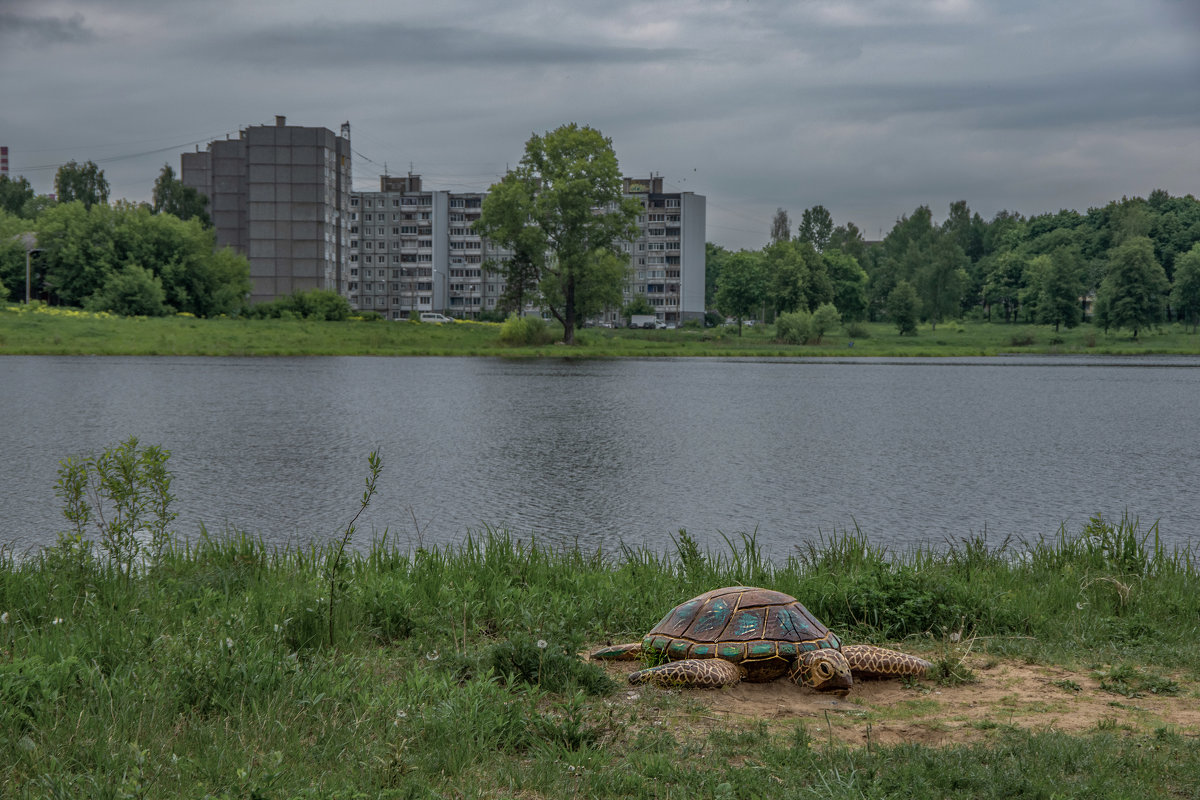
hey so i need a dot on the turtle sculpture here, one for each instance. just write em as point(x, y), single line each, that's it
point(745, 633)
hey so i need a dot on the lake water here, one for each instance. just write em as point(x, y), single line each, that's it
point(605, 452)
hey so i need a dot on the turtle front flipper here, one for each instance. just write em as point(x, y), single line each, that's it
point(618, 652)
point(691, 673)
point(868, 661)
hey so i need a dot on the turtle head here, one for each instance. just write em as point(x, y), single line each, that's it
point(825, 670)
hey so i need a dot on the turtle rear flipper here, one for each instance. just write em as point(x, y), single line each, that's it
point(691, 673)
point(868, 661)
point(618, 652)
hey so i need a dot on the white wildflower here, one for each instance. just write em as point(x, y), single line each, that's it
point(954, 637)
point(228, 643)
point(1079, 606)
point(542, 644)
point(278, 628)
point(432, 656)
point(56, 621)
point(4, 618)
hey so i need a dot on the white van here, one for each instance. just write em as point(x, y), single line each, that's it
point(431, 316)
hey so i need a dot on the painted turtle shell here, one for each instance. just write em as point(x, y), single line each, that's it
point(762, 630)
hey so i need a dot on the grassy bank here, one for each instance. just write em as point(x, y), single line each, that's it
point(67, 332)
point(219, 670)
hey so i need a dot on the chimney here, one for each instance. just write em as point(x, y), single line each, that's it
point(280, 120)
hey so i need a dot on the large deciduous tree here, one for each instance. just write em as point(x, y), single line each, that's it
point(742, 287)
point(816, 227)
point(563, 207)
point(942, 279)
point(83, 182)
point(1057, 279)
point(14, 194)
point(1133, 292)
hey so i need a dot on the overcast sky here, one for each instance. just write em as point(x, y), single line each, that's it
point(868, 107)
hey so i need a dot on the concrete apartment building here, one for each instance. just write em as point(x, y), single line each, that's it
point(414, 250)
point(667, 259)
point(280, 195)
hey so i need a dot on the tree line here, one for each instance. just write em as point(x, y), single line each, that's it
point(146, 259)
point(1133, 264)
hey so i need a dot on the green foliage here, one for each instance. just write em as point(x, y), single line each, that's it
point(857, 330)
point(563, 209)
point(314, 304)
point(172, 197)
point(522, 660)
point(1185, 290)
point(638, 305)
point(902, 308)
point(83, 248)
point(816, 227)
point(1058, 282)
point(794, 327)
point(742, 287)
point(941, 280)
point(81, 182)
point(520, 331)
point(849, 282)
point(1130, 681)
point(15, 193)
point(1135, 287)
point(131, 292)
point(125, 492)
point(825, 319)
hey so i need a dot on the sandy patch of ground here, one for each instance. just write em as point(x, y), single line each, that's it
point(1004, 693)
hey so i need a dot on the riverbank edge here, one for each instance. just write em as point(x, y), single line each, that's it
point(53, 331)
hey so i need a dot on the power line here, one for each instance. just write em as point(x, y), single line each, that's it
point(126, 157)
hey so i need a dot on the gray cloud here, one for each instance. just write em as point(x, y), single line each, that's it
point(870, 107)
point(316, 46)
point(27, 30)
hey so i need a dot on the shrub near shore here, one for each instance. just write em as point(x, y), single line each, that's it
point(453, 670)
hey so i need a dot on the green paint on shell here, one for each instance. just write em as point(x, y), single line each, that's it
point(759, 649)
point(678, 649)
point(746, 623)
point(788, 649)
point(703, 650)
point(733, 652)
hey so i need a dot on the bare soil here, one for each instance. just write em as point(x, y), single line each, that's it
point(888, 712)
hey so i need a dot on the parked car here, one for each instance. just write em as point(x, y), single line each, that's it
point(438, 319)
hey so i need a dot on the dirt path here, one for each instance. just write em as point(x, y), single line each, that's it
point(1005, 693)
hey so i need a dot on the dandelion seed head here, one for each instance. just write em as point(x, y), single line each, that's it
point(228, 643)
point(432, 656)
point(56, 621)
point(542, 644)
point(954, 637)
point(4, 618)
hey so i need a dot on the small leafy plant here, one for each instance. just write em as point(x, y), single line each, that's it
point(126, 493)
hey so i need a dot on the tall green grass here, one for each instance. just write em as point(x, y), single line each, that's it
point(455, 671)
